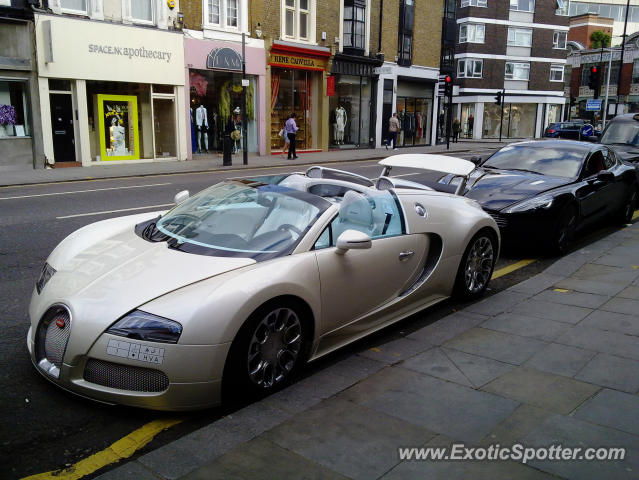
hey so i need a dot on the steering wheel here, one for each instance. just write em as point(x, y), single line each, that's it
point(287, 226)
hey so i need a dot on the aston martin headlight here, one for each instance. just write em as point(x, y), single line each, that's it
point(45, 275)
point(145, 326)
point(544, 202)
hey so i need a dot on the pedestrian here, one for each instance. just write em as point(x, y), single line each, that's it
point(471, 124)
point(291, 130)
point(456, 129)
point(393, 128)
point(287, 142)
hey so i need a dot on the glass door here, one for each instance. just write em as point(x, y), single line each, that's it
point(164, 127)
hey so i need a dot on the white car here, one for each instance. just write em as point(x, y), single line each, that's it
point(232, 290)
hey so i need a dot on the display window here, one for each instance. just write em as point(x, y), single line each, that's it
point(350, 111)
point(118, 129)
point(519, 120)
point(294, 91)
point(414, 116)
point(13, 109)
point(467, 119)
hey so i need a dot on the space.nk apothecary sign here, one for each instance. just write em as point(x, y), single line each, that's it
point(82, 49)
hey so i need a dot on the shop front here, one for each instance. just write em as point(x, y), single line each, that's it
point(298, 85)
point(351, 102)
point(109, 93)
point(216, 105)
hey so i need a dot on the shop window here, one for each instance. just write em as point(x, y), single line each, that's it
point(517, 71)
point(118, 127)
point(221, 13)
point(297, 19)
point(142, 11)
point(405, 43)
point(472, 33)
point(562, 7)
point(635, 71)
point(519, 37)
point(559, 40)
point(519, 120)
point(556, 73)
point(74, 6)
point(13, 109)
point(522, 5)
point(355, 24)
point(470, 68)
point(473, 3)
point(350, 112)
point(294, 91)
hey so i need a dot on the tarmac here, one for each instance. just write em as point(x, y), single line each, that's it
point(213, 163)
point(552, 360)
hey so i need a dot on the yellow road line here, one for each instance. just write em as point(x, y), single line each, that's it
point(123, 448)
point(512, 267)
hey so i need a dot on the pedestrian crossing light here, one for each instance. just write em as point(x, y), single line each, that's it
point(448, 86)
point(498, 98)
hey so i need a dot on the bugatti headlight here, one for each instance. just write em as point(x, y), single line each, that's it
point(544, 203)
point(45, 275)
point(140, 325)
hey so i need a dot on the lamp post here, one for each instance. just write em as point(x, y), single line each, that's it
point(623, 46)
point(244, 119)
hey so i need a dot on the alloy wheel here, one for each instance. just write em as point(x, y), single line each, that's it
point(566, 229)
point(479, 265)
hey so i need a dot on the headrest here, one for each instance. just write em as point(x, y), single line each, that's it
point(356, 209)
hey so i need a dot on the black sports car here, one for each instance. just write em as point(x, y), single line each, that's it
point(545, 191)
point(622, 135)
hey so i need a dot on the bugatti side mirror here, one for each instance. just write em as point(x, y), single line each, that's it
point(181, 196)
point(352, 239)
point(476, 160)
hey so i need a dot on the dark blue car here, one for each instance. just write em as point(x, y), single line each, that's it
point(564, 130)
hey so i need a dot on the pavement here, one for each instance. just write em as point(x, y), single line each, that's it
point(213, 162)
point(552, 360)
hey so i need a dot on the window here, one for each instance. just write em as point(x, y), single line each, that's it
point(517, 71)
point(221, 13)
point(519, 37)
point(142, 11)
point(556, 73)
point(562, 7)
point(74, 6)
point(355, 24)
point(522, 5)
point(296, 19)
point(472, 33)
point(559, 40)
point(470, 68)
point(405, 41)
point(473, 3)
point(13, 109)
point(635, 71)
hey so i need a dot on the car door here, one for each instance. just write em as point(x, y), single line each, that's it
point(357, 283)
point(593, 193)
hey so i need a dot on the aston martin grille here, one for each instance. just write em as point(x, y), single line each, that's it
point(51, 339)
point(500, 219)
point(125, 377)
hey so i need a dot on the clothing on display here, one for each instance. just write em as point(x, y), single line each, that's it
point(202, 124)
point(340, 124)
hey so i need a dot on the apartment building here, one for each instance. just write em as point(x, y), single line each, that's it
point(611, 9)
point(520, 47)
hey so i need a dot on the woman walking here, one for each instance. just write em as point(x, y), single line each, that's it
point(456, 129)
point(291, 130)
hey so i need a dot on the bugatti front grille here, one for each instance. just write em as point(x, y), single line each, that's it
point(500, 219)
point(51, 339)
point(125, 377)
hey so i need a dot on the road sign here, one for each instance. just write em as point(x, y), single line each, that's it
point(593, 105)
point(587, 131)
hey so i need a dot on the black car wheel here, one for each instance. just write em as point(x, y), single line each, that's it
point(267, 352)
point(628, 209)
point(477, 265)
point(564, 230)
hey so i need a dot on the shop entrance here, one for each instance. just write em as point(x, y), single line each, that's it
point(62, 127)
point(414, 119)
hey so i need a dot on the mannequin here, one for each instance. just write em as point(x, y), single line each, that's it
point(202, 124)
point(117, 138)
point(340, 123)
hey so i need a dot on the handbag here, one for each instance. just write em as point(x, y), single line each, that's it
point(281, 134)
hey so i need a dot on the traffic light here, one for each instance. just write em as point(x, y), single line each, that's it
point(498, 98)
point(593, 82)
point(448, 86)
point(573, 101)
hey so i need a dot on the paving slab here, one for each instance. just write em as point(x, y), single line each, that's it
point(611, 371)
point(443, 407)
point(613, 409)
point(448, 327)
point(348, 438)
point(551, 311)
point(523, 420)
point(560, 359)
point(601, 341)
point(622, 305)
point(604, 273)
point(536, 284)
point(436, 363)
point(526, 326)
point(396, 351)
point(129, 470)
point(496, 304)
point(479, 370)
point(590, 286)
point(617, 322)
point(631, 292)
point(260, 459)
point(579, 299)
point(611, 260)
point(566, 266)
point(500, 346)
point(545, 390)
point(572, 432)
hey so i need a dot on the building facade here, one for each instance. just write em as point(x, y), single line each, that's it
point(611, 9)
point(520, 47)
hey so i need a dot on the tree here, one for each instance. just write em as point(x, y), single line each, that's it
point(600, 39)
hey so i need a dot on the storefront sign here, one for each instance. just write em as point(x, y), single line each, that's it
point(130, 52)
point(225, 59)
point(330, 86)
point(383, 70)
point(295, 61)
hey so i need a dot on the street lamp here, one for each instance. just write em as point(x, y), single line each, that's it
point(623, 46)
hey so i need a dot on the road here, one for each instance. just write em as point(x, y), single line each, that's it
point(45, 428)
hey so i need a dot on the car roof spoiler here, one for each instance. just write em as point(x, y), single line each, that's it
point(457, 167)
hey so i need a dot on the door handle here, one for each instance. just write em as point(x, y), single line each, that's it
point(406, 255)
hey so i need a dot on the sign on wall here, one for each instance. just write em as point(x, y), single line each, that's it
point(296, 61)
point(224, 59)
point(330, 86)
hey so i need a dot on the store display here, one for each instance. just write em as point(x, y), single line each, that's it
point(340, 124)
point(118, 127)
point(202, 124)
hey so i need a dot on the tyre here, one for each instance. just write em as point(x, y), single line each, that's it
point(564, 230)
point(267, 352)
point(476, 266)
point(625, 213)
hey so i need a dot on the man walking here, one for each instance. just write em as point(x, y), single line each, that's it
point(291, 129)
point(393, 128)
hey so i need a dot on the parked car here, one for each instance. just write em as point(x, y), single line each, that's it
point(622, 135)
point(548, 190)
point(568, 130)
point(233, 289)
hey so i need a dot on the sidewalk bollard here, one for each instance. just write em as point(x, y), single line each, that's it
point(227, 160)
